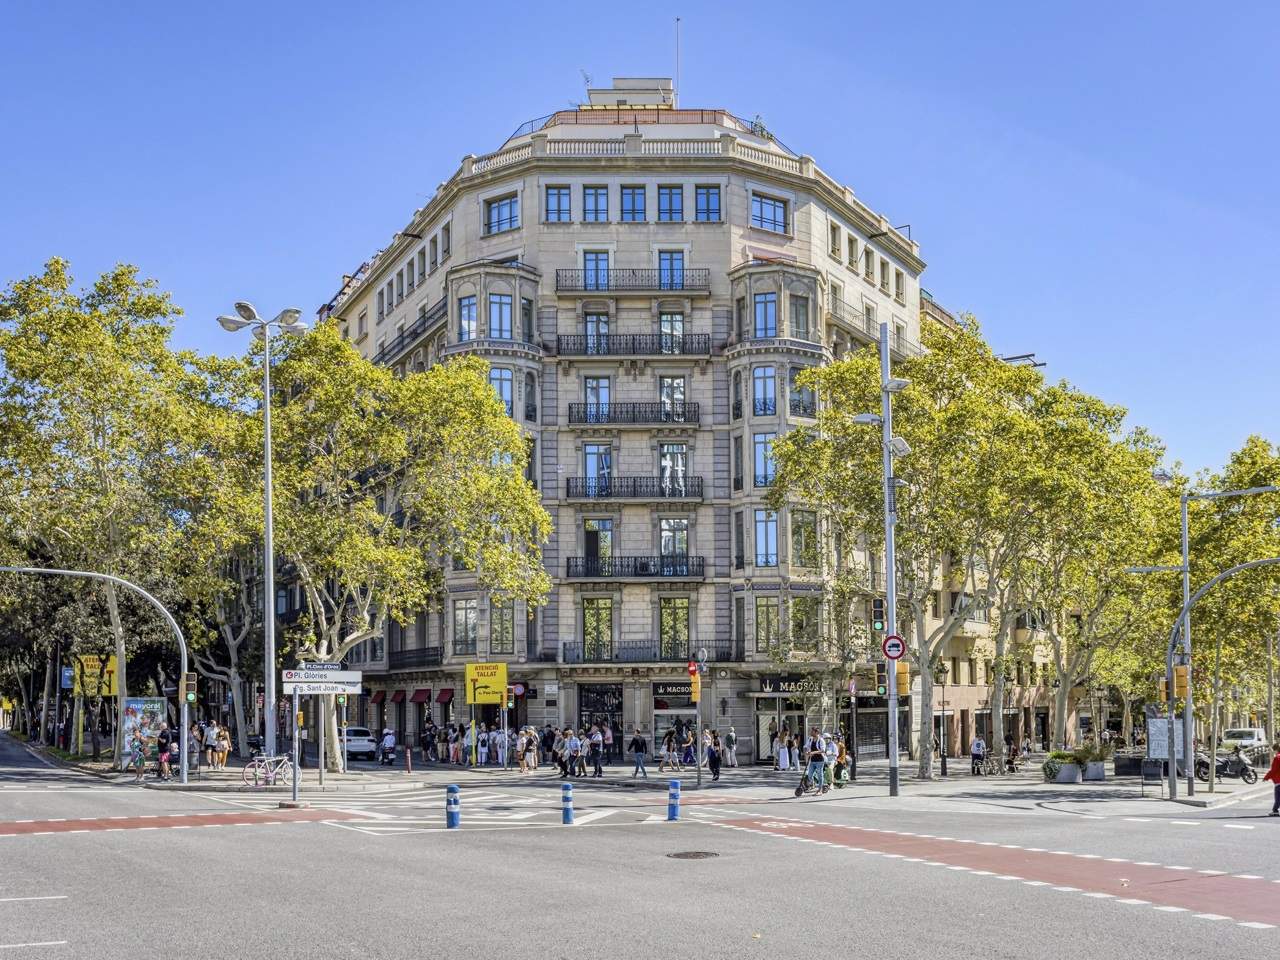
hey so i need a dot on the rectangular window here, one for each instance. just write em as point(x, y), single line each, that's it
point(595, 204)
point(595, 269)
point(464, 627)
point(409, 276)
point(804, 403)
point(673, 541)
point(673, 628)
point(740, 316)
point(671, 269)
point(884, 275)
point(764, 391)
point(899, 286)
point(526, 319)
point(596, 394)
point(766, 623)
point(502, 628)
point(853, 252)
point(633, 204)
point(738, 540)
point(739, 624)
point(766, 538)
point(422, 264)
point(800, 317)
point(764, 468)
point(597, 539)
point(558, 209)
point(835, 240)
point(597, 629)
point(804, 538)
point(737, 463)
point(466, 318)
point(708, 204)
point(671, 391)
point(382, 305)
point(502, 213)
point(868, 263)
point(399, 286)
point(806, 622)
point(672, 466)
point(444, 242)
point(671, 203)
point(973, 672)
point(598, 466)
point(500, 379)
point(500, 316)
point(766, 318)
point(435, 259)
point(671, 329)
point(768, 213)
point(362, 323)
point(597, 329)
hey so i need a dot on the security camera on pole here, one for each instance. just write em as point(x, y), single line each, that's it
point(891, 447)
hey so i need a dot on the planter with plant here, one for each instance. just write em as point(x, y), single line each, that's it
point(1061, 767)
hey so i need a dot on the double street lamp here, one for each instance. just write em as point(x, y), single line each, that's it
point(286, 321)
point(890, 447)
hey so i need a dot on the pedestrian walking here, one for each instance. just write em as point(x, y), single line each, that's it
point(639, 747)
point(596, 750)
point(138, 757)
point(224, 746)
point(482, 745)
point(549, 734)
point(607, 734)
point(713, 756)
point(977, 753)
point(163, 742)
point(1273, 775)
point(706, 746)
point(1026, 744)
point(687, 754)
point(731, 748)
point(573, 746)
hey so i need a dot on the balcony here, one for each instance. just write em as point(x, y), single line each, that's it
point(670, 650)
point(419, 326)
point(633, 344)
point(764, 406)
point(531, 412)
point(406, 659)
point(802, 406)
point(677, 565)
point(633, 488)
point(646, 412)
point(631, 280)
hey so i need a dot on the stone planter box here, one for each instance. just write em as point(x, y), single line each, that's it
point(1070, 773)
point(1095, 770)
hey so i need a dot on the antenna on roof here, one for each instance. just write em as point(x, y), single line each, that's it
point(586, 81)
point(675, 90)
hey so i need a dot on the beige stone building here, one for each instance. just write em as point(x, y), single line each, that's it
point(646, 281)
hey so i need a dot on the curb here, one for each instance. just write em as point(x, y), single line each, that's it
point(1210, 803)
point(196, 787)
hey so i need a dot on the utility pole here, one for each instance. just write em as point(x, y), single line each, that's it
point(890, 569)
point(1271, 688)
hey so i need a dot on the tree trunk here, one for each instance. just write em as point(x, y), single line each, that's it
point(95, 740)
point(329, 717)
point(1214, 711)
point(117, 631)
point(1060, 699)
point(1126, 721)
point(925, 752)
point(237, 707)
point(46, 699)
point(997, 695)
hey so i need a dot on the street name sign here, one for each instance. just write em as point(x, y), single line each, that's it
point(305, 687)
point(322, 676)
point(894, 647)
point(319, 666)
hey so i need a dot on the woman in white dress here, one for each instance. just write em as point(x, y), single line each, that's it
point(784, 754)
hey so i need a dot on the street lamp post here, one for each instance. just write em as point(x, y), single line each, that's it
point(287, 322)
point(942, 672)
point(890, 447)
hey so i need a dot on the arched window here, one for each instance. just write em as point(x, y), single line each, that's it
point(737, 394)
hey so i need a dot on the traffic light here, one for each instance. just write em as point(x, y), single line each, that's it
point(877, 615)
point(511, 697)
point(341, 699)
point(693, 668)
point(1163, 689)
point(695, 688)
point(189, 687)
point(903, 676)
point(300, 719)
point(1180, 681)
point(882, 679)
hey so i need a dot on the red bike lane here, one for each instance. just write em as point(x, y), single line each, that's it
point(14, 828)
point(1212, 894)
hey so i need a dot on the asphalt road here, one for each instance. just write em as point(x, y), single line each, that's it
point(143, 873)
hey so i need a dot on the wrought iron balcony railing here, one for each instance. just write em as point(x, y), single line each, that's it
point(639, 488)
point(632, 344)
point(663, 650)
point(629, 278)
point(677, 565)
point(648, 411)
point(764, 479)
point(803, 406)
point(764, 406)
point(426, 657)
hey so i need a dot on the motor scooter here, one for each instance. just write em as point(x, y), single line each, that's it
point(1234, 764)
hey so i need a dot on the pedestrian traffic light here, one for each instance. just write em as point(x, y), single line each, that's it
point(511, 697)
point(693, 668)
point(341, 699)
point(877, 614)
point(189, 687)
point(1180, 681)
point(300, 719)
point(903, 676)
point(882, 680)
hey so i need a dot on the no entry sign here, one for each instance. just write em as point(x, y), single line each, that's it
point(894, 647)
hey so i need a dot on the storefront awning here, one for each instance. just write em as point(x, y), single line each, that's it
point(378, 696)
point(398, 697)
point(421, 695)
point(445, 695)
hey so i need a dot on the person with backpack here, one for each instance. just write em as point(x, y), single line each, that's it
point(731, 748)
point(639, 746)
point(815, 753)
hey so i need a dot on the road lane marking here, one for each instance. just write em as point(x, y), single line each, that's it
point(25, 899)
point(39, 943)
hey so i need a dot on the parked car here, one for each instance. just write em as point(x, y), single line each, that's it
point(1245, 736)
point(361, 743)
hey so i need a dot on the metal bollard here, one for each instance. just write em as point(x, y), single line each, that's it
point(673, 800)
point(566, 804)
point(452, 807)
point(408, 758)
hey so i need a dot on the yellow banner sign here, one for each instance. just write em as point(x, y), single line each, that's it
point(6, 704)
point(486, 682)
point(94, 676)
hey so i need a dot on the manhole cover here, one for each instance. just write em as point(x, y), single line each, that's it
point(693, 855)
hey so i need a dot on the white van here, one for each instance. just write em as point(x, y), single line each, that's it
point(1245, 736)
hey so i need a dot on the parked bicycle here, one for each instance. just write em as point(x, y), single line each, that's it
point(268, 771)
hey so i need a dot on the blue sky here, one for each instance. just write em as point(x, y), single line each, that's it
point(1095, 181)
